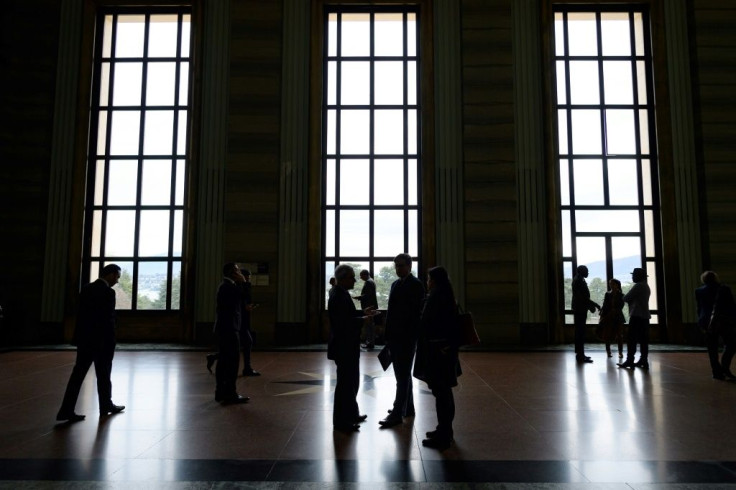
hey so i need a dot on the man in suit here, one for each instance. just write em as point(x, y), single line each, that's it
point(581, 305)
point(227, 327)
point(368, 300)
point(94, 336)
point(402, 329)
point(343, 347)
point(246, 336)
point(713, 295)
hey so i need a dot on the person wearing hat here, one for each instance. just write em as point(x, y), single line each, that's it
point(638, 300)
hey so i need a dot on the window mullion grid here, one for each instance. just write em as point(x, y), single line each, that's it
point(569, 159)
point(338, 136)
point(405, 116)
point(371, 135)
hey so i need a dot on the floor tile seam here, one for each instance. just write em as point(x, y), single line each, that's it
point(291, 436)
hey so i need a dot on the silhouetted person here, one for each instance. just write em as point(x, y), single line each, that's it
point(581, 305)
point(246, 334)
point(94, 336)
point(638, 300)
point(343, 347)
point(714, 296)
point(227, 328)
point(368, 300)
point(405, 303)
point(612, 318)
point(437, 354)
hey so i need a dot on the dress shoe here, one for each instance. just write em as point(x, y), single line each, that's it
point(211, 358)
point(112, 409)
point(719, 376)
point(360, 418)
point(250, 372)
point(390, 421)
point(728, 374)
point(439, 443)
point(235, 399)
point(642, 364)
point(368, 346)
point(627, 364)
point(346, 428)
point(583, 360)
point(432, 434)
point(69, 417)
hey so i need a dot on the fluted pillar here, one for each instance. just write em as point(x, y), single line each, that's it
point(213, 153)
point(450, 232)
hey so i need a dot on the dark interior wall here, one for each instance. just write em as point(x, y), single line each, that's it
point(28, 52)
point(715, 74)
point(252, 188)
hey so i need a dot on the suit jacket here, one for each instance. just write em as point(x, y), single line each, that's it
point(368, 294)
point(705, 297)
point(638, 300)
point(96, 315)
point(345, 326)
point(581, 296)
point(229, 307)
point(405, 302)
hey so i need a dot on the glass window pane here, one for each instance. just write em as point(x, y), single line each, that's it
point(105, 84)
point(355, 85)
point(626, 254)
point(355, 35)
point(329, 233)
point(154, 234)
point(127, 85)
point(119, 234)
point(331, 83)
point(411, 34)
point(384, 275)
point(125, 131)
point(331, 131)
point(330, 183)
point(566, 235)
point(411, 130)
point(607, 221)
point(161, 82)
point(620, 136)
point(389, 182)
point(186, 33)
point(646, 182)
point(411, 82)
point(559, 35)
point(354, 179)
point(641, 82)
point(639, 34)
point(124, 288)
point(564, 183)
point(588, 182)
point(615, 34)
point(567, 275)
point(652, 281)
point(623, 182)
point(130, 36)
point(591, 252)
point(122, 183)
point(584, 86)
point(561, 82)
point(582, 34)
point(94, 270)
point(181, 171)
point(106, 41)
point(159, 133)
point(332, 35)
point(649, 232)
point(102, 133)
point(586, 132)
point(329, 273)
point(96, 234)
point(354, 132)
point(178, 233)
point(413, 182)
point(389, 233)
point(414, 234)
point(354, 233)
point(184, 84)
point(176, 285)
point(644, 131)
point(389, 132)
point(181, 137)
point(155, 186)
point(617, 81)
point(562, 131)
point(389, 82)
point(389, 34)
point(162, 35)
point(99, 182)
point(152, 287)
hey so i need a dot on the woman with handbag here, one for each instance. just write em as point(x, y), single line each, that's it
point(611, 323)
point(437, 354)
point(716, 314)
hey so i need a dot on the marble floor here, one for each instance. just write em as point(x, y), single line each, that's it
point(524, 420)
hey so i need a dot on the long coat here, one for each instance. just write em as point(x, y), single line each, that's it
point(437, 360)
point(404, 309)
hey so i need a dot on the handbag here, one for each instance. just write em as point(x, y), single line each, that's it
point(467, 334)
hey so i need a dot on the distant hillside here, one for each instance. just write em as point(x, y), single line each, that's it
point(622, 268)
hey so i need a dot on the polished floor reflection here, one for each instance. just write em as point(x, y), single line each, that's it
point(522, 418)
